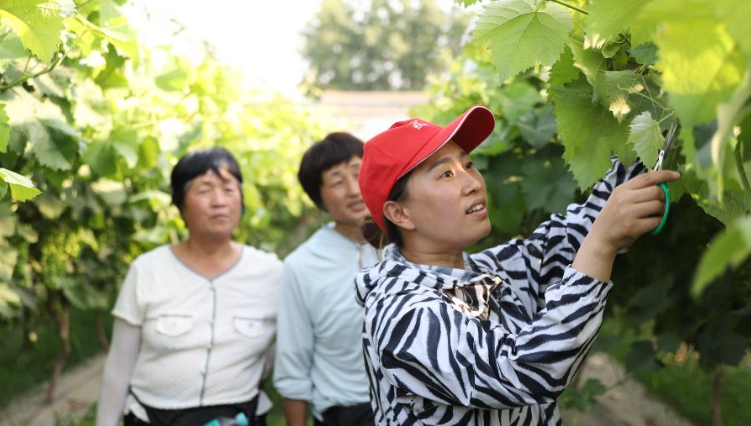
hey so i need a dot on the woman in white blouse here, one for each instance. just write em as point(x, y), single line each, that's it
point(194, 321)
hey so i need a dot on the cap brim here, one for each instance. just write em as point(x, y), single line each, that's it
point(469, 130)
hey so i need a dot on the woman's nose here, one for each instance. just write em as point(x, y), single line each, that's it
point(470, 182)
point(353, 187)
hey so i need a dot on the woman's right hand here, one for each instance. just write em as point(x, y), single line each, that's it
point(633, 209)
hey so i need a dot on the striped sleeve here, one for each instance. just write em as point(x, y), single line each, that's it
point(553, 245)
point(431, 350)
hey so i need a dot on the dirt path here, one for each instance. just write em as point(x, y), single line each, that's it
point(624, 405)
point(77, 390)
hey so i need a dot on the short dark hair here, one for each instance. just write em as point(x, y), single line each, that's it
point(197, 163)
point(375, 235)
point(334, 149)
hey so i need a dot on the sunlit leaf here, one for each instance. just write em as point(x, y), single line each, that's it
point(21, 188)
point(37, 22)
point(608, 18)
point(589, 132)
point(521, 35)
point(646, 137)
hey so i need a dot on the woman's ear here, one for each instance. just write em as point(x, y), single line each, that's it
point(398, 215)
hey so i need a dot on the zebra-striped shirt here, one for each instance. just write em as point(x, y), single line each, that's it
point(493, 344)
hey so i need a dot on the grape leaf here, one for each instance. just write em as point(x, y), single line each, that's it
point(650, 300)
point(11, 49)
point(101, 157)
point(8, 221)
point(589, 132)
point(126, 143)
point(662, 11)
point(645, 53)
point(538, 127)
point(736, 15)
point(53, 141)
point(563, 71)
point(37, 22)
point(4, 129)
point(700, 62)
point(646, 137)
point(520, 35)
point(50, 206)
point(642, 32)
point(21, 188)
point(641, 357)
point(517, 99)
point(720, 343)
point(734, 204)
point(608, 18)
point(547, 185)
point(727, 250)
point(591, 63)
point(175, 80)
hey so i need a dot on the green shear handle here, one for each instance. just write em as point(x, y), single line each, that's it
point(658, 166)
point(664, 220)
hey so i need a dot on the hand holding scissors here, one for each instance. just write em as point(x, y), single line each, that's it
point(658, 166)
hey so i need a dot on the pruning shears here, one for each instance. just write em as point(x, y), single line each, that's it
point(661, 156)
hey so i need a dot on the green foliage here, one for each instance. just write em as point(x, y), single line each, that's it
point(520, 34)
point(379, 44)
point(21, 188)
point(608, 18)
point(728, 249)
point(582, 399)
point(646, 65)
point(646, 136)
point(88, 141)
point(37, 23)
point(588, 147)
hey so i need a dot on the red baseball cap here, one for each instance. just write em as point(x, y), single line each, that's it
point(392, 154)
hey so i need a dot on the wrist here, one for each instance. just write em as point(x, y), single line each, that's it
point(600, 247)
point(595, 258)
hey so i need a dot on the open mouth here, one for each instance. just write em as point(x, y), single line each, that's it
point(479, 207)
point(357, 206)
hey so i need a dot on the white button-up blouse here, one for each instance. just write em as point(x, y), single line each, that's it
point(204, 342)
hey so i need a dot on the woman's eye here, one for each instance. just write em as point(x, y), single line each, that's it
point(470, 165)
point(447, 174)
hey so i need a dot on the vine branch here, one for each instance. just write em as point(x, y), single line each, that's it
point(27, 77)
point(570, 6)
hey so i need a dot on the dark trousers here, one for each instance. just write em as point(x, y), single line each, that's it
point(352, 415)
point(131, 420)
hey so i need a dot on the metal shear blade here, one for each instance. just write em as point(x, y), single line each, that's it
point(665, 147)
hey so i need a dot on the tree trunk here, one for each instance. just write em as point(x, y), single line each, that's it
point(100, 332)
point(61, 315)
point(719, 377)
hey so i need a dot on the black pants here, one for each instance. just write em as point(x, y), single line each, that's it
point(131, 420)
point(352, 415)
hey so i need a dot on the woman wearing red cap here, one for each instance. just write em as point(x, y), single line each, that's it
point(491, 338)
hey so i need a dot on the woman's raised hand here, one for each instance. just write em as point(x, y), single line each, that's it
point(633, 209)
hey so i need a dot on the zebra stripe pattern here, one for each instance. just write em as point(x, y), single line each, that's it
point(494, 344)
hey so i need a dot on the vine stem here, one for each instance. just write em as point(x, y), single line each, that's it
point(27, 77)
point(570, 6)
point(741, 169)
